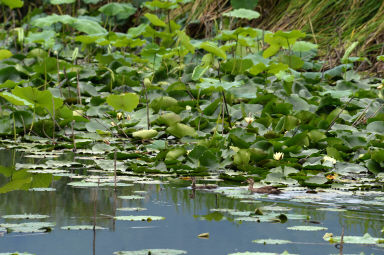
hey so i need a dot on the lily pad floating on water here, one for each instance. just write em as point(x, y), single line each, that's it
point(142, 192)
point(152, 252)
point(48, 171)
point(139, 218)
point(131, 209)
point(271, 241)
point(29, 227)
point(259, 218)
point(307, 228)
point(150, 182)
point(131, 197)
point(42, 189)
point(250, 201)
point(25, 216)
point(365, 239)
point(240, 213)
point(82, 227)
point(83, 184)
point(275, 208)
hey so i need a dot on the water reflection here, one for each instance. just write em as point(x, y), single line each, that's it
point(186, 217)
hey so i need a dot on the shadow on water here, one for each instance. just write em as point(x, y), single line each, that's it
point(186, 216)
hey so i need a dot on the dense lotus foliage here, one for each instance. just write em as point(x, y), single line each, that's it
point(152, 99)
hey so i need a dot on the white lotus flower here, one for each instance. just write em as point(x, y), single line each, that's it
point(330, 159)
point(188, 108)
point(249, 120)
point(278, 155)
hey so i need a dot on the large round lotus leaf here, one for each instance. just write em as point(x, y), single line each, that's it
point(122, 10)
point(303, 46)
point(169, 119)
point(145, 134)
point(376, 127)
point(163, 103)
point(125, 102)
point(175, 153)
point(211, 47)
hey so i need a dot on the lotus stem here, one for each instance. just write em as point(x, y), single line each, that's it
point(337, 116)
point(73, 136)
point(114, 168)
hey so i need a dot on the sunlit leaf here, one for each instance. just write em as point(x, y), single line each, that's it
point(125, 102)
point(5, 54)
point(13, 3)
point(155, 20)
point(211, 47)
point(243, 14)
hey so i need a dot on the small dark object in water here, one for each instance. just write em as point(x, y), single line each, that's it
point(264, 189)
point(311, 191)
point(204, 186)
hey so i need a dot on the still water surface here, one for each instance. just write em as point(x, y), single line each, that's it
point(186, 218)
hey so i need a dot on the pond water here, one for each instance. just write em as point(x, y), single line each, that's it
point(186, 216)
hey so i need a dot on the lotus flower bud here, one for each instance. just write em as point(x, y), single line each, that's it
point(147, 82)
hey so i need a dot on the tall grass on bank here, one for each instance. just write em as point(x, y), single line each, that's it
point(333, 24)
